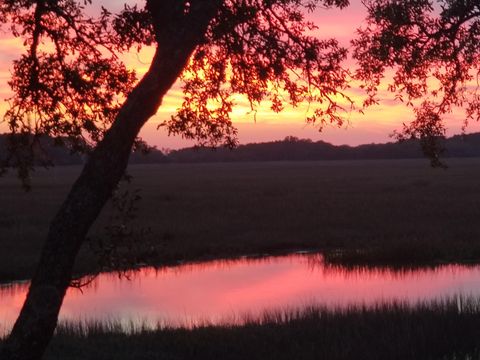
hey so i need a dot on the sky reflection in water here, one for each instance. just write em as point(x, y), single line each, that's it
point(219, 291)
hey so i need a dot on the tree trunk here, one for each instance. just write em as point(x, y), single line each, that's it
point(178, 33)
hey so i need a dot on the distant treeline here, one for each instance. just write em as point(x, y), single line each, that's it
point(294, 149)
point(289, 149)
point(44, 150)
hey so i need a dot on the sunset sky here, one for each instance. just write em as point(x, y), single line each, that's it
point(375, 125)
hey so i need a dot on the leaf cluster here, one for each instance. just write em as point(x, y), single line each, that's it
point(69, 83)
point(124, 244)
point(260, 51)
point(433, 50)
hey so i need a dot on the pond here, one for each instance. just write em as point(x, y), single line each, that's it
point(225, 291)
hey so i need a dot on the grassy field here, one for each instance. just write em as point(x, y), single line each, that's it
point(377, 212)
point(429, 331)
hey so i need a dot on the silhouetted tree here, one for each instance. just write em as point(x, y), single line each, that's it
point(71, 83)
point(432, 47)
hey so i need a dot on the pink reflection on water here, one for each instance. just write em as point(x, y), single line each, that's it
point(220, 290)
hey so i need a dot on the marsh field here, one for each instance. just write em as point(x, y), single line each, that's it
point(400, 213)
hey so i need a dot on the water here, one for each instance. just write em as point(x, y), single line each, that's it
point(224, 291)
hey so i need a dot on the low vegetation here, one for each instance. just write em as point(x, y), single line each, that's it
point(359, 212)
point(440, 330)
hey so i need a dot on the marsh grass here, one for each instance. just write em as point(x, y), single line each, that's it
point(384, 212)
point(446, 329)
point(411, 253)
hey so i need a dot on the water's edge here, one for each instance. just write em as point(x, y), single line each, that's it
point(227, 291)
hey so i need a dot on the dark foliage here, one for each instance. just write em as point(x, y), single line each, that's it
point(432, 47)
point(289, 149)
point(71, 83)
point(293, 149)
point(45, 151)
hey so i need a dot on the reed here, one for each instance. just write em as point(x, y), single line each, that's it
point(435, 330)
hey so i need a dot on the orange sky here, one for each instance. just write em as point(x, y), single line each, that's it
point(374, 126)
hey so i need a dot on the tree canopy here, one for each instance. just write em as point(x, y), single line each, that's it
point(70, 83)
point(432, 47)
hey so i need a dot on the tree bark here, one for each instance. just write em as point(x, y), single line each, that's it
point(178, 33)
